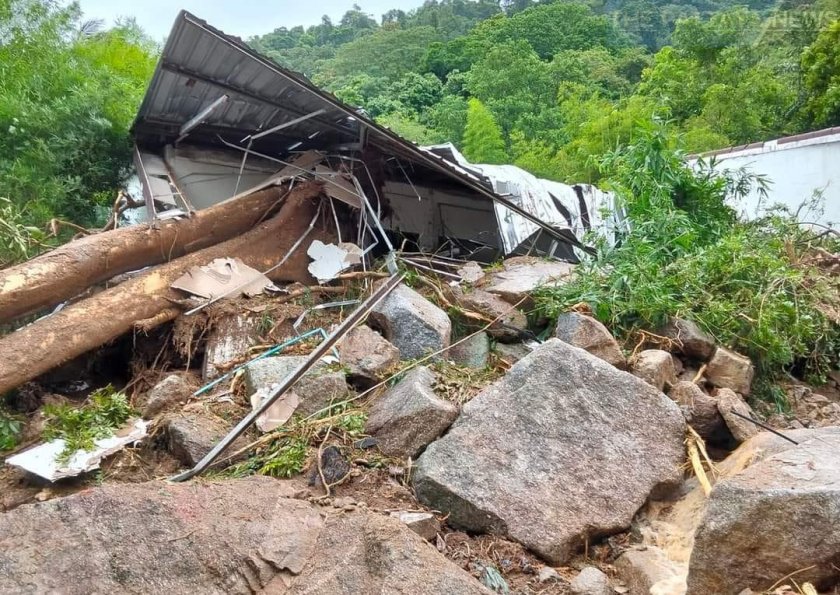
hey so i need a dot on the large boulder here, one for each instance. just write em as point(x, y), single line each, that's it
point(689, 338)
point(775, 518)
point(521, 275)
point(409, 415)
point(367, 355)
point(512, 322)
point(319, 387)
point(728, 369)
point(656, 367)
point(729, 403)
point(589, 334)
point(411, 322)
point(561, 450)
point(237, 536)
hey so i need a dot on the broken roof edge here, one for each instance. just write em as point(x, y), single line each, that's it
point(389, 139)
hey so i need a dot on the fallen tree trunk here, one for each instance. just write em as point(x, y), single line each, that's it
point(92, 322)
point(68, 270)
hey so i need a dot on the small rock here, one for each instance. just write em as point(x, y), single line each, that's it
point(547, 573)
point(472, 353)
point(678, 365)
point(173, 390)
point(589, 334)
point(655, 367)
point(691, 340)
point(775, 518)
point(412, 323)
point(229, 338)
point(425, 524)
point(728, 369)
point(510, 353)
point(365, 443)
point(190, 436)
point(316, 390)
point(333, 465)
point(512, 323)
point(700, 411)
point(591, 581)
point(643, 568)
point(367, 355)
point(409, 415)
point(471, 272)
point(521, 275)
point(727, 402)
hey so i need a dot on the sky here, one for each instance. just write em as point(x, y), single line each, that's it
point(243, 18)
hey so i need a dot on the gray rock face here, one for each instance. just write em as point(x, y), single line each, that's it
point(171, 391)
point(527, 454)
point(236, 536)
point(368, 355)
point(472, 353)
point(228, 340)
point(512, 322)
point(411, 322)
point(190, 436)
point(700, 411)
point(521, 275)
point(590, 581)
point(728, 369)
point(316, 390)
point(655, 367)
point(409, 416)
point(645, 567)
point(776, 517)
point(589, 334)
point(511, 353)
point(727, 402)
point(691, 340)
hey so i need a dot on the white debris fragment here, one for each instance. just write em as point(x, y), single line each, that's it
point(278, 413)
point(42, 459)
point(328, 260)
point(223, 277)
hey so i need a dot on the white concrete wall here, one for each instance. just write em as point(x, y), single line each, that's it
point(796, 168)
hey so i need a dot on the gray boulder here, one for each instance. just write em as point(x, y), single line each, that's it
point(690, 339)
point(512, 322)
point(319, 387)
point(777, 517)
point(409, 416)
point(648, 569)
point(510, 353)
point(727, 402)
point(367, 355)
point(237, 536)
point(521, 275)
point(589, 334)
point(728, 369)
point(412, 323)
point(474, 352)
point(190, 436)
point(590, 581)
point(173, 390)
point(656, 367)
point(529, 454)
point(700, 411)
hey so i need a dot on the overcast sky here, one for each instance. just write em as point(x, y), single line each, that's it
point(243, 18)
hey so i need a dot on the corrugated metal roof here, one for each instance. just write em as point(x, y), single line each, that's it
point(199, 64)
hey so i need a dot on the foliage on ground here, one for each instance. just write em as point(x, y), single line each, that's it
point(10, 428)
point(685, 254)
point(105, 411)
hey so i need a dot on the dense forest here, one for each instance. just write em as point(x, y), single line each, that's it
point(547, 86)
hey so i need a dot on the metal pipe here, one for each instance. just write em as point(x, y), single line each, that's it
point(286, 124)
point(200, 117)
point(349, 323)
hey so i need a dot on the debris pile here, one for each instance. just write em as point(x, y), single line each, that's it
point(357, 365)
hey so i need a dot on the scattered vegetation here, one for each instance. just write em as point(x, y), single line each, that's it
point(10, 427)
point(459, 384)
point(685, 254)
point(105, 411)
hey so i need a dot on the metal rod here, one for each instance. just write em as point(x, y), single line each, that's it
point(294, 247)
point(349, 323)
point(762, 425)
point(264, 354)
point(200, 117)
point(287, 124)
point(338, 304)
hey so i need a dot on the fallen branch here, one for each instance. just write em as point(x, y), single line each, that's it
point(89, 323)
point(67, 271)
